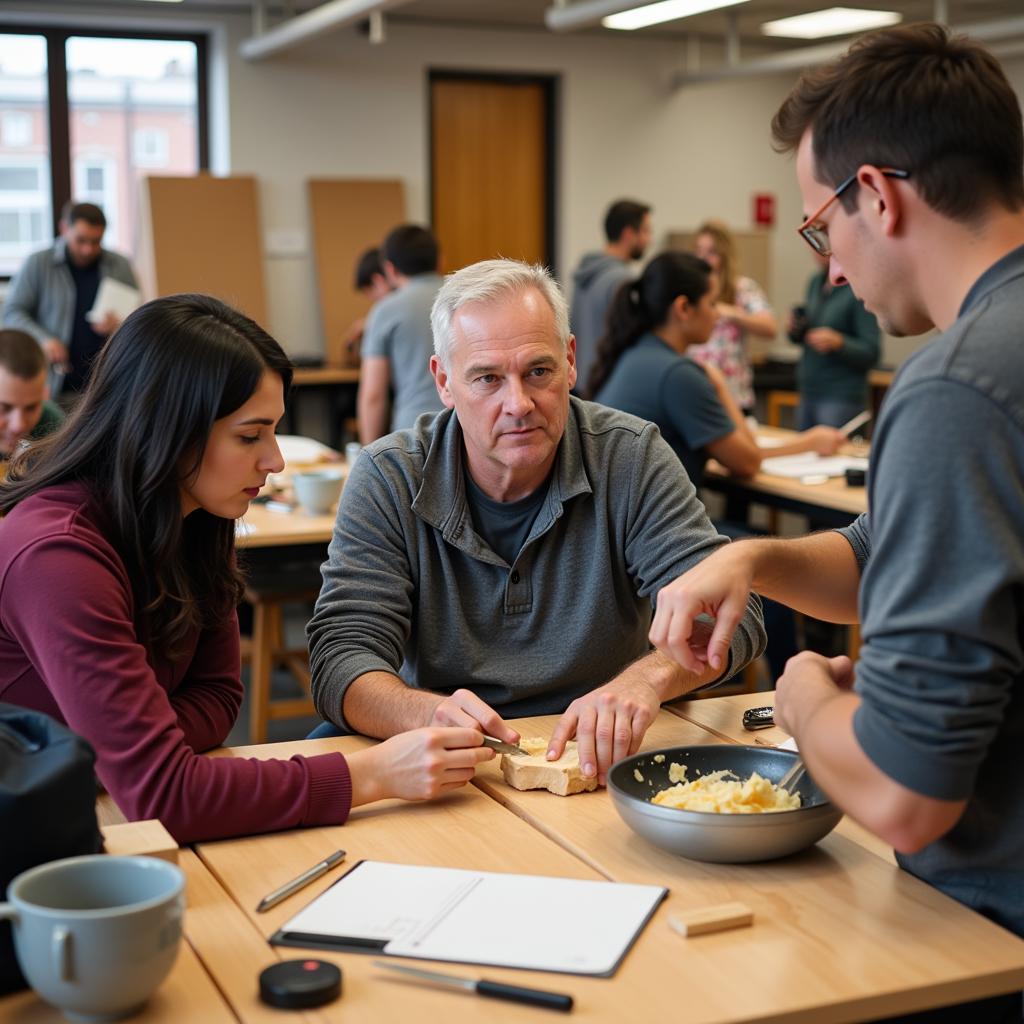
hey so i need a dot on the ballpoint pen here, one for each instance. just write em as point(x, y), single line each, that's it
point(272, 899)
point(483, 987)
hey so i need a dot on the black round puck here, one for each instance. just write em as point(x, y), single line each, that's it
point(300, 984)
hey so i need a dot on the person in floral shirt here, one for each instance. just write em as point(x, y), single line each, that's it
point(743, 309)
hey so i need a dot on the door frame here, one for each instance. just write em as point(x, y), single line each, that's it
point(550, 87)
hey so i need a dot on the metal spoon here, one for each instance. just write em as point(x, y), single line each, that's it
point(793, 777)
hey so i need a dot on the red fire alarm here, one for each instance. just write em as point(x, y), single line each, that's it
point(764, 209)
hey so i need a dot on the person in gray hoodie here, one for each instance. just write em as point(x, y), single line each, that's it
point(627, 226)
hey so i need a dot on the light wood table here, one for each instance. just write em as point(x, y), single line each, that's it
point(832, 503)
point(188, 994)
point(465, 830)
point(261, 528)
point(839, 934)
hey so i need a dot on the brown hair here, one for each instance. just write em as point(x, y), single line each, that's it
point(20, 354)
point(921, 100)
point(89, 212)
point(728, 268)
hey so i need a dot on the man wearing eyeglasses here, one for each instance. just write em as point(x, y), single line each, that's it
point(909, 155)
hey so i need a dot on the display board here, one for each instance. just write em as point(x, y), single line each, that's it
point(347, 216)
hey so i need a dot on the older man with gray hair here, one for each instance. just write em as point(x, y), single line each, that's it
point(498, 559)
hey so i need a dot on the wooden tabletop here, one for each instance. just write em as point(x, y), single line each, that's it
point(312, 375)
point(840, 934)
point(262, 528)
point(833, 496)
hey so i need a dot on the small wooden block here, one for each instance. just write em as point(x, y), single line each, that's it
point(718, 918)
point(562, 777)
point(140, 839)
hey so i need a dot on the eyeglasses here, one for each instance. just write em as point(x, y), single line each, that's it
point(817, 237)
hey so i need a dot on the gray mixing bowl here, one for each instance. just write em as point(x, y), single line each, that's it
point(722, 838)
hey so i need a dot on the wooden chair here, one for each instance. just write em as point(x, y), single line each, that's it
point(777, 401)
point(265, 650)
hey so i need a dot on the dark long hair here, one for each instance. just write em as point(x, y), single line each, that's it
point(173, 367)
point(641, 305)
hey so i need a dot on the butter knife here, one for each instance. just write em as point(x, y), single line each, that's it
point(502, 747)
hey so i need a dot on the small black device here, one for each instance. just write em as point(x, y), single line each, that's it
point(300, 984)
point(798, 331)
point(856, 478)
point(758, 718)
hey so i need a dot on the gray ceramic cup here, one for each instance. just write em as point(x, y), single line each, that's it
point(318, 489)
point(96, 935)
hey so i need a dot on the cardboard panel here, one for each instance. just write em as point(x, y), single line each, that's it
point(202, 234)
point(347, 216)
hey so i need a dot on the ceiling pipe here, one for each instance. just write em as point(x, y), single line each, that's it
point(795, 60)
point(566, 17)
point(332, 15)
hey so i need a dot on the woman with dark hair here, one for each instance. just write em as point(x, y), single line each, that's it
point(118, 584)
point(642, 368)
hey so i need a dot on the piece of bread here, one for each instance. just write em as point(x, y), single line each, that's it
point(534, 771)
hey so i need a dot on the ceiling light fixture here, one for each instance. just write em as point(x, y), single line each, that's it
point(836, 21)
point(665, 10)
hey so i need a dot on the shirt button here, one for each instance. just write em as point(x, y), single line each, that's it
point(515, 575)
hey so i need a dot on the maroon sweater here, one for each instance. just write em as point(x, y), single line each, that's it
point(68, 647)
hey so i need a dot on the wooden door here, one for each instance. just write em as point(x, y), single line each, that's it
point(491, 168)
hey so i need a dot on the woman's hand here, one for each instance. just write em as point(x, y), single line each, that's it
point(417, 765)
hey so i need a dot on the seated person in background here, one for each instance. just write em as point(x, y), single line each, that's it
point(642, 368)
point(25, 414)
point(500, 557)
point(55, 288)
point(841, 343)
point(118, 584)
point(371, 281)
point(396, 341)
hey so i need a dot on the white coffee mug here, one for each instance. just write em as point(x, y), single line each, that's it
point(317, 490)
point(95, 936)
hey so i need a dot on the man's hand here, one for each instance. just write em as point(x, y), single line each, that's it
point(718, 586)
point(417, 765)
point(466, 710)
point(609, 724)
point(56, 352)
point(824, 339)
point(106, 325)
point(809, 681)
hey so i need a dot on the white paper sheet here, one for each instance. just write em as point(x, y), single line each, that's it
point(114, 297)
point(809, 464)
point(483, 917)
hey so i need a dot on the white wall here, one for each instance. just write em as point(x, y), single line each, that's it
point(341, 107)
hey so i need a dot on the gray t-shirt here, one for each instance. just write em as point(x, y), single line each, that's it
point(398, 328)
point(941, 672)
point(653, 381)
point(595, 282)
point(411, 588)
point(504, 525)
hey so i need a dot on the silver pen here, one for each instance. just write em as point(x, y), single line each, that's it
point(272, 899)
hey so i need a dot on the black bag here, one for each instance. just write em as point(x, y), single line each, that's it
point(47, 806)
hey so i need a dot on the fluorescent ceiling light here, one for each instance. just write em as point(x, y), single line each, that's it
point(666, 10)
point(836, 21)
